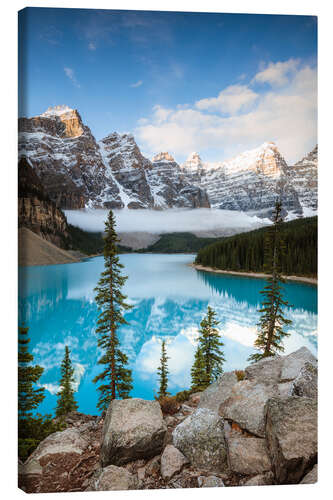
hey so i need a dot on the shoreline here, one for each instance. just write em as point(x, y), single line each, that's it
point(300, 279)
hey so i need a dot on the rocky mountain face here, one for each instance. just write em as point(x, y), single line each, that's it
point(304, 176)
point(257, 429)
point(171, 188)
point(251, 181)
point(76, 171)
point(35, 209)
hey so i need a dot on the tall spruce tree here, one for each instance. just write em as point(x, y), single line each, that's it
point(29, 398)
point(163, 372)
point(209, 357)
point(66, 402)
point(32, 428)
point(272, 321)
point(198, 372)
point(116, 378)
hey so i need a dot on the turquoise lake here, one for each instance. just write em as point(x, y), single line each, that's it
point(169, 299)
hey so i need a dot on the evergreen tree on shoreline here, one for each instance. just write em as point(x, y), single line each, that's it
point(272, 320)
point(66, 402)
point(116, 378)
point(209, 356)
point(28, 397)
point(198, 372)
point(32, 428)
point(163, 372)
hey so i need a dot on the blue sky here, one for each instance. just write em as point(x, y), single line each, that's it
point(215, 83)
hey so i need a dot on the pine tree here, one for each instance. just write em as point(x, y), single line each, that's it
point(272, 320)
point(28, 397)
point(209, 356)
point(163, 372)
point(116, 377)
point(66, 402)
point(32, 428)
point(198, 372)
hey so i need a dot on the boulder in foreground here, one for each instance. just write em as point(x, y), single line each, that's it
point(248, 455)
point(201, 439)
point(113, 478)
point(218, 392)
point(172, 461)
point(133, 429)
point(291, 433)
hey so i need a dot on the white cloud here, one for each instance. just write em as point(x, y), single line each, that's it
point(136, 84)
point(69, 72)
point(52, 388)
point(230, 100)
point(171, 220)
point(277, 73)
point(285, 113)
point(92, 46)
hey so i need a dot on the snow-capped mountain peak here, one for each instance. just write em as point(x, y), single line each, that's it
point(59, 110)
point(193, 162)
point(163, 157)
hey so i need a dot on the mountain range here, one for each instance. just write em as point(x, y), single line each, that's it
point(78, 171)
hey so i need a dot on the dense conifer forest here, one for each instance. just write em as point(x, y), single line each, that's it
point(245, 251)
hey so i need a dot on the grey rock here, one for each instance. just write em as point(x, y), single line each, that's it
point(172, 461)
point(218, 392)
point(294, 362)
point(291, 433)
point(201, 439)
point(67, 442)
point(306, 384)
point(311, 477)
point(133, 429)
point(265, 371)
point(248, 455)
point(113, 478)
point(153, 466)
point(210, 482)
point(141, 473)
point(285, 389)
point(246, 404)
point(266, 479)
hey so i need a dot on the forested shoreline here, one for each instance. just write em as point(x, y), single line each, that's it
point(245, 251)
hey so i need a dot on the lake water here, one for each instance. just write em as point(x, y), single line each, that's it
point(169, 299)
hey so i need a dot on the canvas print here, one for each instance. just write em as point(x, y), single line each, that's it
point(167, 219)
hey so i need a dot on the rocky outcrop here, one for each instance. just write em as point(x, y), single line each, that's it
point(35, 209)
point(113, 478)
point(291, 433)
point(218, 392)
point(266, 479)
point(63, 461)
point(133, 429)
point(172, 461)
point(263, 380)
point(200, 437)
point(306, 383)
point(139, 447)
point(247, 455)
point(65, 156)
point(311, 477)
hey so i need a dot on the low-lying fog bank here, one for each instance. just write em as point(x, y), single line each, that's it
point(140, 227)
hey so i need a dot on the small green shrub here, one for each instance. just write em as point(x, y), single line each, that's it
point(184, 395)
